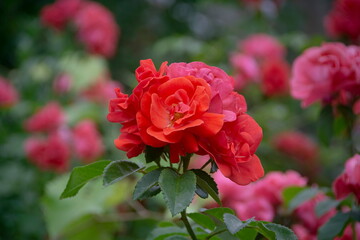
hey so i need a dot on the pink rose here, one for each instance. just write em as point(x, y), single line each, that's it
point(246, 69)
point(62, 83)
point(47, 118)
point(97, 29)
point(275, 77)
point(262, 47)
point(48, 154)
point(349, 181)
point(87, 141)
point(102, 91)
point(321, 72)
point(259, 208)
point(303, 233)
point(8, 94)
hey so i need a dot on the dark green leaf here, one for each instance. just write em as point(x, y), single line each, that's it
point(81, 175)
point(118, 170)
point(334, 226)
point(263, 230)
point(219, 212)
point(247, 234)
point(147, 184)
point(302, 197)
point(176, 237)
point(214, 167)
point(234, 224)
point(153, 154)
point(207, 184)
point(281, 232)
point(325, 125)
point(203, 220)
point(325, 206)
point(200, 192)
point(178, 190)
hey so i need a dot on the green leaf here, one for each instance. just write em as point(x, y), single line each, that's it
point(219, 212)
point(201, 193)
point(289, 193)
point(118, 170)
point(214, 167)
point(81, 175)
point(302, 197)
point(153, 154)
point(263, 230)
point(176, 237)
point(178, 190)
point(163, 232)
point(234, 224)
point(147, 185)
point(334, 226)
point(325, 206)
point(202, 220)
point(281, 232)
point(247, 234)
point(207, 184)
point(325, 125)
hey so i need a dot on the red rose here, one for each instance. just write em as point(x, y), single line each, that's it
point(48, 118)
point(233, 150)
point(48, 154)
point(275, 77)
point(8, 94)
point(97, 29)
point(87, 141)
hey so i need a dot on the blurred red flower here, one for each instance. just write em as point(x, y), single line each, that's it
point(47, 118)
point(8, 94)
point(275, 77)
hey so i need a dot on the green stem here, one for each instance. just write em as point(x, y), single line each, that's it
point(214, 233)
point(185, 160)
point(187, 225)
point(207, 163)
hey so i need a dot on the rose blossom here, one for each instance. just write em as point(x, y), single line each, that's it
point(102, 91)
point(349, 181)
point(320, 72)
point(296, 145)
point(344, 20)
point(48, 154)
point(262, 47)
point(97, 29)
point(87, 141)
point(47, 118)
point(8, 94)
point(275, 77)
point(56, 15)
point(246, 69)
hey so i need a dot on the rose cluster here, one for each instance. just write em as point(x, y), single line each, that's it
point(261, 59)
point(189, 108)
point(329, 73)
point(261, 199)
point(95, 25)
point(53, 141)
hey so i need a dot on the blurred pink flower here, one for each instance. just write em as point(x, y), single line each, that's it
point(297, 145)
point(57, 15)
point(348, 232)
point(246, 69)
point(344, 20)
point(51, 153)
point(262, 47)
point(321, 72)
point(47, 118)
point(349, 181)
point(87, 141)
point(8, 94)
point(97, 29)
point(102, 91)
point(275, 77)
point(62, 83)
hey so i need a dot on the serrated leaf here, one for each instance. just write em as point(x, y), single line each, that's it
point(178, 190)
point(201, 193)
point(263, 230)
point(81, 175)
point(325, 206)
point(302, 197)
point(118, 170)
point(207, 184)
point(163, 232)
point(281, 232)
point(334, 226)
point(147, 184)
point(202, 220)
point(234, 224)
point(219, 212)
point(325, 125)
point(153, 154)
